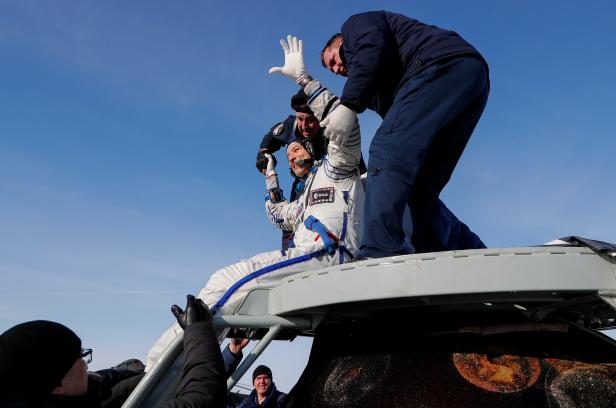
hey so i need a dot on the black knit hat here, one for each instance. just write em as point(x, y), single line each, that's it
point(262, 369)
point(35, 356)
point(299, 102)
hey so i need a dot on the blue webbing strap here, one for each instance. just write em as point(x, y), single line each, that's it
point(261, 272)
point(343, 249)
point(313, 224)
point(342, 235)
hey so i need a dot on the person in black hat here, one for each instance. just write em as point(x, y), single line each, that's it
point(42, 364)
point(43, 361)
point(303, 126)
point(265, 393)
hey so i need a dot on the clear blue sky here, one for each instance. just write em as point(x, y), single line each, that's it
point(128, 132)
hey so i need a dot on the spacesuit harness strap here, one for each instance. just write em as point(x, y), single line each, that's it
point(330, 241)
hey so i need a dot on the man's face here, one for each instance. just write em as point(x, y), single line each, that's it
point(297, 152)
point(75, 382)
point(332, 60)
point(307, 124)
point(262, 383)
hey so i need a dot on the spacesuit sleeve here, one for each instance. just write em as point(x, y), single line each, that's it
point(343, 158)
point(283, 214)
point(320, 99)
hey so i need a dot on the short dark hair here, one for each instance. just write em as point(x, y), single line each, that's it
point(327, 45)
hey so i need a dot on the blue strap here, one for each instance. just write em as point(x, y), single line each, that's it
point(345, 196)
point(342, 236)
point(313, 224)
point(261, 272)
point(345, 220)
point(346, 251)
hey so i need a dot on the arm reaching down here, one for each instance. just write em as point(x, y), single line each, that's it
point(203, 378)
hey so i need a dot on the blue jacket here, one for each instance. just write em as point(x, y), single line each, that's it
point(274, 399)
point(381, 49)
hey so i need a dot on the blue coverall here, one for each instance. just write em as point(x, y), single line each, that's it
point(430, 87)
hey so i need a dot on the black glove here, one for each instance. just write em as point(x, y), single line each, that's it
point(196, 311)
point(262, 161)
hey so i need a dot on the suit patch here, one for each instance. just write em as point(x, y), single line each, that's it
point(298, 212)
point(278, 129)
point(322, 195)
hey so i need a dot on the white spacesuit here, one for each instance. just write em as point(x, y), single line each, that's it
point(333, 195)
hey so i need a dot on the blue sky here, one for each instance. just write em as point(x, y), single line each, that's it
point(128, 132)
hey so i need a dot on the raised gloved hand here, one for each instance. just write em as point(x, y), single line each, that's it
point(294, 67)
point(196, 311)
point(262, 161)
point(271, 165)
point(339, 124)
point(273, 191)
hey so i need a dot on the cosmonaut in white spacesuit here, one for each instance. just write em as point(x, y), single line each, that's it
point(330, 204)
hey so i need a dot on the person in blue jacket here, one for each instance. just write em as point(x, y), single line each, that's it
point(430, 87)
point(265, 393)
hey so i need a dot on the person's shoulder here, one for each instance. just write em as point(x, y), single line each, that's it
point(361, 18)
point(279, 127)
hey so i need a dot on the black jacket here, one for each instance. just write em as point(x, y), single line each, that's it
point(274, 399)
point(278, 135)
point(203, 379)
point(381, 49)
point(282, 133)
point(202, 385)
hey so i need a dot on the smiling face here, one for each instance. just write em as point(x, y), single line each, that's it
point(295, 153)
point(332, 60)
point(307, 124)
point(262, 383)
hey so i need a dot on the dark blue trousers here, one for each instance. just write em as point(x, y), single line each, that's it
point(413, 155)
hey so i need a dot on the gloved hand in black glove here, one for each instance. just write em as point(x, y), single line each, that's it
point(196, 311)
point(262, 161)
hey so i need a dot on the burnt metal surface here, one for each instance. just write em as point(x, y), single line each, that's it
point(518, 364)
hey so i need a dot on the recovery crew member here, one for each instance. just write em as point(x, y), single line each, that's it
point(430, 87)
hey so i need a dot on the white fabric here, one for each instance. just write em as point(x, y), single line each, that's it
point(294, 67)
point(340, 124)
point(220, 281)
point(332, 189)
point(271, 178)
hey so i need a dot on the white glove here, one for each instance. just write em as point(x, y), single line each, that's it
point(294, 67)
point(339, 124)
point(271, 178)
point(271, 165)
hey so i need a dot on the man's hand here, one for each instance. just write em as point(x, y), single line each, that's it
point(271, 165)
point(294, 67)
point(196, 311)
point(339, 124)
point(262, 161)
point(236, 345)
